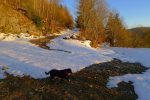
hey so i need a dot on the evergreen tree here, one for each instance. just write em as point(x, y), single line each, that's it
point(114, 28)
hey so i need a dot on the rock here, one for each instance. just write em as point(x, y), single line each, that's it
point(67, 37)
point(105, 45)
point(90, 86)
point(73, 37)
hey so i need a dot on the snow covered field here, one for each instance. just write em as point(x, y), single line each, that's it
point(21, 57)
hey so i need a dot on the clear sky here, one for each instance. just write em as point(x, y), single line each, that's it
point(72, 5)
point(133, 12)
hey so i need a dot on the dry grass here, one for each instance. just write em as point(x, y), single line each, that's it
point(42, 42)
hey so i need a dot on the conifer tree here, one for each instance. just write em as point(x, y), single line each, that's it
point(116, 33)
point(114, 27)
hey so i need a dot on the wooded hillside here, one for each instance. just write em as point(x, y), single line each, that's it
point(141, 36)
point(12, 21)
point(49, 16)
point(99, 24)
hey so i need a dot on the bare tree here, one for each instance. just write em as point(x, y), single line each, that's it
point(91, 18)
point(53, 15)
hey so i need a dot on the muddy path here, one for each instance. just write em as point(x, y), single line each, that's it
point(42, 43)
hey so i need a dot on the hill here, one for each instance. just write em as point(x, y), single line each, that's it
point(140, 30)
point(141, 36)
point(13, 21)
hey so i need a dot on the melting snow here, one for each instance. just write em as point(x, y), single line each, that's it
point(22, 57)
point(141, 82)
point(19, 57)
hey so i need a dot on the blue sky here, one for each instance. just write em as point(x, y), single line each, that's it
point(72, 5)
point(133, 12)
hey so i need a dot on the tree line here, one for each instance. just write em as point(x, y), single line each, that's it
point(96, 21)
point(48, 15)
point(141, 37)
point(100, 24)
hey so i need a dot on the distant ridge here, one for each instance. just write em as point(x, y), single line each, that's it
point(140, 30)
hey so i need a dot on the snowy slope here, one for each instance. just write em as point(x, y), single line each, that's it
point(21, 57)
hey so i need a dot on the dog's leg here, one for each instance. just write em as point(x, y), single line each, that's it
point(67, 79)
point(52, 77)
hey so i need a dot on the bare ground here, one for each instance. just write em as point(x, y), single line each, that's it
point(87, 84)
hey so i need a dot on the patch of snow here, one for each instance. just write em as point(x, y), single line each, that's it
point(2, 36)
point(10, 38)
point(13, 37)
point(141, 82)
point(22, 57)
point(86, 43)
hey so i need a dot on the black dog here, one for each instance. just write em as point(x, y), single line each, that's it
point(63, 74)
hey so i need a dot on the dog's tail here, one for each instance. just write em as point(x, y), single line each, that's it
point(47, 73)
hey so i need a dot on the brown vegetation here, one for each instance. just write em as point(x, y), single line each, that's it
point(42, 42)
point(98, 24)
point(91, 17)
point(141, 37)
point(12, 21)
point(48, 15)
point(116, 33)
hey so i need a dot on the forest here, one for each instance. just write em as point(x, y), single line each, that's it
point(96, 21)
point(100, 24)
point(48, 15)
